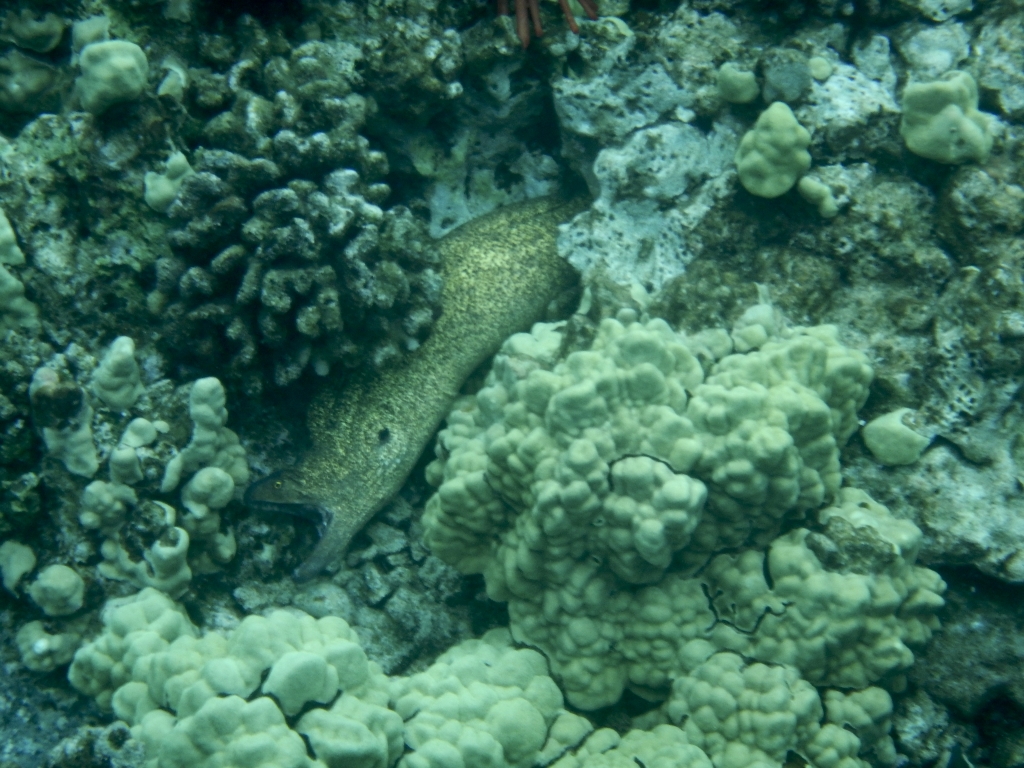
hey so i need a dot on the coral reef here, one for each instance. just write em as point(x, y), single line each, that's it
point(208, 206)
point(502, 273)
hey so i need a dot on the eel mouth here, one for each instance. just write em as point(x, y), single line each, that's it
point(259, 497)
point(263, 497)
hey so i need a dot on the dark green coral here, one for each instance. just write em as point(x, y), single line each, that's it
point(284, 257)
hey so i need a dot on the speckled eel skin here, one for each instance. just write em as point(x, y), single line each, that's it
point(501, 272)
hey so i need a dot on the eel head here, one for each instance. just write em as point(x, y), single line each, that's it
point(368, 451)
point(286, 492)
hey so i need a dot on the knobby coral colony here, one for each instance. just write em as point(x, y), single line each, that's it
point(528, 12)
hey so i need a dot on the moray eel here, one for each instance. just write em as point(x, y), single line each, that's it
point(501, 272)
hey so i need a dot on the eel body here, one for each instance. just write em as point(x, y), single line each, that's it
point(501, 272)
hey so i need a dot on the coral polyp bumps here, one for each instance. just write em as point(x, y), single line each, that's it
point(596, 493)
point(627, 500)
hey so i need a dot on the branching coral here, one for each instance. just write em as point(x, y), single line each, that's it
point(283, 257)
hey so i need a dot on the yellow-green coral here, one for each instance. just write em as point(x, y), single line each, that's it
point(587, 488)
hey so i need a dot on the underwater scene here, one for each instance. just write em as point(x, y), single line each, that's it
point(512, 384)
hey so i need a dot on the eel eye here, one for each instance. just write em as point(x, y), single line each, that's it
point(384, 435)
point(279, 484)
